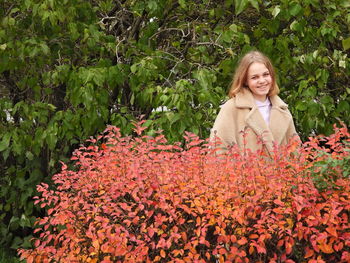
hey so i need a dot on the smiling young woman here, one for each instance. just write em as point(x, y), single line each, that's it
point(254, 108)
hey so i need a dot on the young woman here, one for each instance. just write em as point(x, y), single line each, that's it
point(254, 117)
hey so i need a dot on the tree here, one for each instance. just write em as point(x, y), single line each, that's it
point(68, 68)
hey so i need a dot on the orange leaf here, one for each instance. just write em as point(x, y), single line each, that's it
point(107, 259)
point(162, 253)
point(300, 234)
point(288, 248)
point(320, 260)
point(184, 236)
point(222, 251)
point(278, 202)
point(198, 232)
point(200, 209)
point(233, 239)
point(326, 248)
point(280, 243)
point(197, 202)
point(242, 241)
point(261, 249)
point(38, 259)
point(95, 244)
point(233, 250)
point(30, 259)
point(309, 252)
point(240, 220)
point(150, 232)
point(251, 250)
point(332, 231)
point(263, 237)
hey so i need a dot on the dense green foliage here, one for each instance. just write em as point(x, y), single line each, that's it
point(68, 68)
point(8, 257)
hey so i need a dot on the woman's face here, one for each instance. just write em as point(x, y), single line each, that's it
point(259, 80)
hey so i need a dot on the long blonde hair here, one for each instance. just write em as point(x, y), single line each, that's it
point(240, 76)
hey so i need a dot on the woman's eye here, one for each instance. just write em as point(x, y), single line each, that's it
point(266, 74)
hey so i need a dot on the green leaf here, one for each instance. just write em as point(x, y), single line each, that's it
point(310, 92)
point(51, 140)
point(173, 117)
point(134, 67)
point(152, 5)
point(301, 106)
point(5, 142)
point(3, 47)
point(296, 26)
point(240, 5)
point(313, 108)
point(302, 85)
point(44, 48)
point(295, 9)
point(327, 100)
point(255, 4)
point(346, 43)
point(276, 10)
point(343, 106)
point(182, 3)
point(29, 156)
point(24, 221)
point(234, 28)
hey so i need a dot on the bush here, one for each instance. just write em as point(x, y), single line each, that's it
point(143, 200)
point(332, 160)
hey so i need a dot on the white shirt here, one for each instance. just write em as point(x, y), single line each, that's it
point(265, 109)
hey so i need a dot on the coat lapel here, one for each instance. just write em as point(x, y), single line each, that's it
point(256, 122)
point(274, 132)
point(254, 119)
point(279, 114)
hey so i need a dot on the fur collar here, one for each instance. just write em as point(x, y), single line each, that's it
point(245, 99)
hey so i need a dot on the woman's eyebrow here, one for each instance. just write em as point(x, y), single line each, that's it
point(258, 73)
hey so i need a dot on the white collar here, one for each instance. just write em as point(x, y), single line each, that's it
point(264, 103)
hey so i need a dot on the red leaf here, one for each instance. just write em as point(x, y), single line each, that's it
point(242, 241)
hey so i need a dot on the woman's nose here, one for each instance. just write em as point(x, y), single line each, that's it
point(261, 80)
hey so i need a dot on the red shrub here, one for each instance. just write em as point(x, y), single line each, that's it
point(142, 200)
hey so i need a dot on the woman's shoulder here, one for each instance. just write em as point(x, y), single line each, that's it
point(229, 104)
point(276, 101)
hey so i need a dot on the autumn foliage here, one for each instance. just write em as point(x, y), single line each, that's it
point(139, 199)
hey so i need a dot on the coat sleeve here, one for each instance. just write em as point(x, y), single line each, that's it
point(223, 132)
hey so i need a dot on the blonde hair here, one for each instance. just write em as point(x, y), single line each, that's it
point(240, 76)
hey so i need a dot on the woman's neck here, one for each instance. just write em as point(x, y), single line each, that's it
point(261, 98)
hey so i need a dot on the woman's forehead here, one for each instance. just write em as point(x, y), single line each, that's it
point(257, 68)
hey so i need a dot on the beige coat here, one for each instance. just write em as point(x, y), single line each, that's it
point(240, 114)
